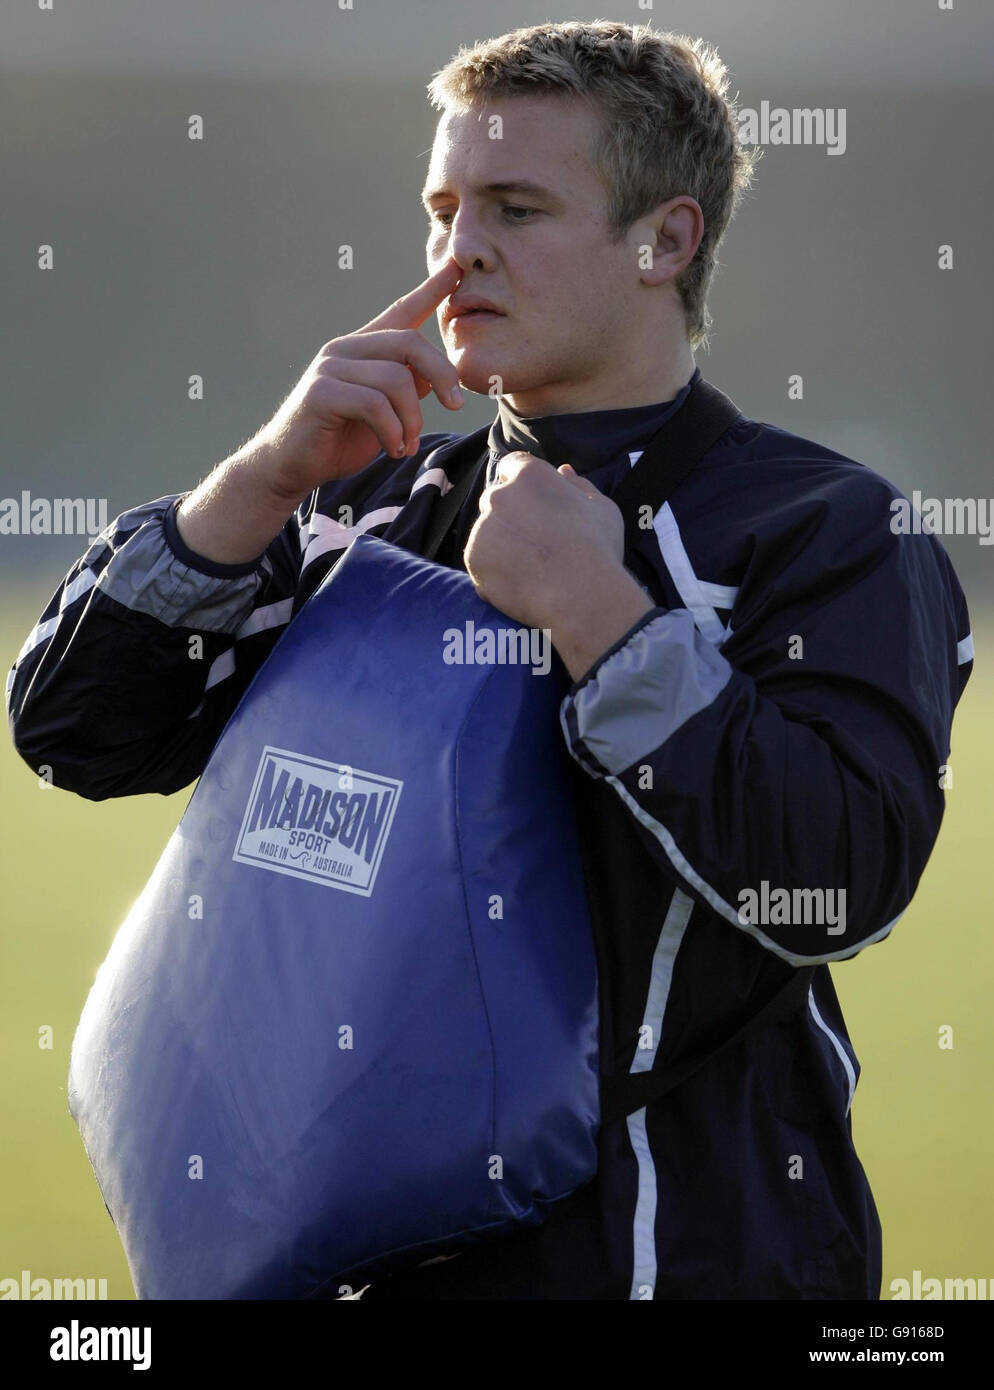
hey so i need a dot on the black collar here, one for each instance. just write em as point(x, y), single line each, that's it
point(585, 439)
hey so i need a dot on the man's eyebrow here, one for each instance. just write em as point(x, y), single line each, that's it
point(507, 186)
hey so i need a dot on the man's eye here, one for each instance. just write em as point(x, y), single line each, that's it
point(508, 207)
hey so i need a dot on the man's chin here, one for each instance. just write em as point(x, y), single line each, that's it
point(487, 374)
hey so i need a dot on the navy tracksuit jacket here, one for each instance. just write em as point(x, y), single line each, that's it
point(771, 733)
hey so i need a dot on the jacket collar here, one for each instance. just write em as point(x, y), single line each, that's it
point(585, 439)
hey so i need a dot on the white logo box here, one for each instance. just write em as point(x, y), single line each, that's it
point(301, 820)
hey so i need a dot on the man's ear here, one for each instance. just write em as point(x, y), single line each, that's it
point(673, 232)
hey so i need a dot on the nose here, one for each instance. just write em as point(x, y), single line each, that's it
point(466, 242)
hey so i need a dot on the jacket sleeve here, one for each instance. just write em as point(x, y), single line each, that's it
point(804, 750)
point(136, 663)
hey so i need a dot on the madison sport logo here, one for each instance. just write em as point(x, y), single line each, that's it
point(326, 822)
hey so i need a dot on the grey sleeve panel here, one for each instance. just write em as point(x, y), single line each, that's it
point(645, 690)
point(145, 575)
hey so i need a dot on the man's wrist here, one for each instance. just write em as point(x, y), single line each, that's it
point(235, 513)
point(592, 621)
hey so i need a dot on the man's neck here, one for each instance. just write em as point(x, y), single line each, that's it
point(665, 380)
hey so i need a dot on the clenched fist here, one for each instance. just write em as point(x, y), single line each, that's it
point(548, 550)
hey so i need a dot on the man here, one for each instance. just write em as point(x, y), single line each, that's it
point(762, 694)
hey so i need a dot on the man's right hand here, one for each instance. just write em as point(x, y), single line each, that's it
point(361, 394)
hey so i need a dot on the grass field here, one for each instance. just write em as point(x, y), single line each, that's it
point(922, 1118)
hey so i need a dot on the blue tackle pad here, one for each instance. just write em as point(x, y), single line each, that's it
point(351, 1022)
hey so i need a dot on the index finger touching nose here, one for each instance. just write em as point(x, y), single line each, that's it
point(411, 310)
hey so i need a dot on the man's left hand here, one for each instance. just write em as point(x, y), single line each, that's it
point(548, 550)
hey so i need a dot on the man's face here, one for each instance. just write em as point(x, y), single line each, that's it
point(542, 255)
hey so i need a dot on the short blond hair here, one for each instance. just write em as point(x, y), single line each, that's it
point(667, 124)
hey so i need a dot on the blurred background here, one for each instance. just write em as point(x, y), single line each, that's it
point(219, 257)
